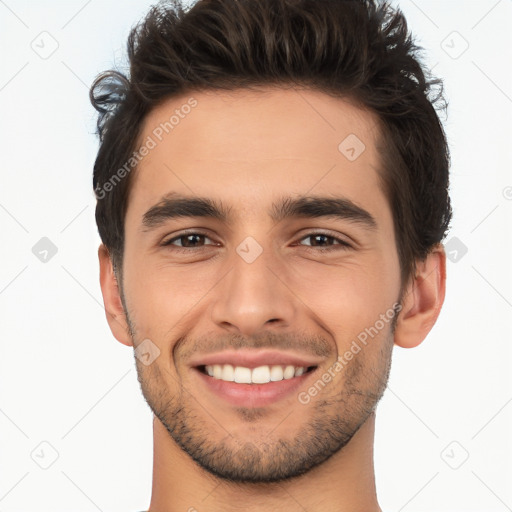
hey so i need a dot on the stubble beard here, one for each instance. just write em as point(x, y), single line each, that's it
point(331, 423)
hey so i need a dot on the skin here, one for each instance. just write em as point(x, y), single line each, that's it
point(249, 148)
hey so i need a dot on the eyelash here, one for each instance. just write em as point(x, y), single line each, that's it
point(342, 245)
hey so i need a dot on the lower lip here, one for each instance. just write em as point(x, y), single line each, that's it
point(253, 395)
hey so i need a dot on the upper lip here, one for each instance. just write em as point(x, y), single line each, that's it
point(254, 358)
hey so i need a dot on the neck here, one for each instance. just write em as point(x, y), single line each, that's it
point(345, 481)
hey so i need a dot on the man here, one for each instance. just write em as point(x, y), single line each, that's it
point(272, 188)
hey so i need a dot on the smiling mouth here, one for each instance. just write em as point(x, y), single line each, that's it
point(259, 375)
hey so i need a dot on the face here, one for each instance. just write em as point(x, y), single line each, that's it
point(260, 265)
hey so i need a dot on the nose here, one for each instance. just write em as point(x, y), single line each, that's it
point(254, 296)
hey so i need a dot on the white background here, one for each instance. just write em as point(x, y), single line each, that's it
point(64, 379)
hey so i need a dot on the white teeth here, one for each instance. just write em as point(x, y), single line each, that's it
point(217, 371)
point(276, 373)
point(242, 375)
point(228, 373)
point(289, 372)
point(259, 375)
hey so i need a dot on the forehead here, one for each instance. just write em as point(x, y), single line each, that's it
point(240, 145)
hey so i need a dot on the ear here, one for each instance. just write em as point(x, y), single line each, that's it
point(422, 300)
point(114, 311)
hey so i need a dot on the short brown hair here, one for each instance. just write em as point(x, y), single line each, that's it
point(357, 49)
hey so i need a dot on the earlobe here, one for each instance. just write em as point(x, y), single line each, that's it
point(422, 300)
point(114, 311)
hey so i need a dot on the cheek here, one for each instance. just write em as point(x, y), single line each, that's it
point(163, 297)
point(350, 295)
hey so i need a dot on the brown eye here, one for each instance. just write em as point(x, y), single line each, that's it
point(187, 241)
point(321, 241)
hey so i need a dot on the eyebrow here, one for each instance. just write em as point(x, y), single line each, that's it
point(174, 205)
